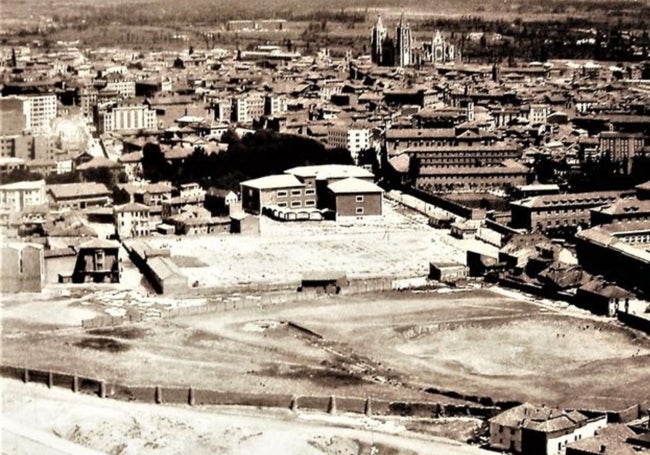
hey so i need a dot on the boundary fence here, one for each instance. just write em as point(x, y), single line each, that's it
point(483, 408)
point(196, 396)
point(237, 302)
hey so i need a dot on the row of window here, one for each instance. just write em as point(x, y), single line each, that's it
point(298, 204)
point(284, 193)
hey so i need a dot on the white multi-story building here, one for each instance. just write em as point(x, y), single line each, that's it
point(38, 112)
point(125, 88)
point(538, 113)
point(247, 108)
point(275, 104)
point(354, 138)
point(17, 196)
point(132, 220)
point(127, 117)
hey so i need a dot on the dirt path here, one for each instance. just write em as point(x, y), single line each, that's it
point(119, 427)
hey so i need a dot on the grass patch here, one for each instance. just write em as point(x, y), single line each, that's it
point(125, 333)
point(103, 344)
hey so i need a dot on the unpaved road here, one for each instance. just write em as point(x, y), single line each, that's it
point(39, 418)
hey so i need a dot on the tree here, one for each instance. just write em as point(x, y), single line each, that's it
point(369, 157)
point(21, 175)
point(154, 165)
point(121, 196)
point(229, 136)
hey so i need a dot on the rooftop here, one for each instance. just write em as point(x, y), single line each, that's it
point(274, 181)
point(27, 185)
point(75, 190)
point(551, 200)
point(330, 171)
point(353, 185)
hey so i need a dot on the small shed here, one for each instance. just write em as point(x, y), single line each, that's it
point(166, 229)
point(329, 281)
point(448, 272)
point(603, 298)
point(241, 223)
point(463, 230)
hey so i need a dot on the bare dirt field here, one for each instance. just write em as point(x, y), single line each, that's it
point(390, 346)
point(396, 245)
point(38, 420)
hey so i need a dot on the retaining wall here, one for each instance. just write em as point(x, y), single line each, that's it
point(191, 396)
point(446, 204)
point(358, 286)
point(635, 321)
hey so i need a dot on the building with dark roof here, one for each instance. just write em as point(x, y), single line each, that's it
point(559, 213)
point(79, 195)
point(611, 440)
point(97, 262)
point(529, 429)
point(354, 197)
point(616, 254)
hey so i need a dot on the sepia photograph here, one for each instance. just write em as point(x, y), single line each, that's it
point(291, 227)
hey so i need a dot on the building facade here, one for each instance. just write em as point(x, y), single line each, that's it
point(17, 196)
point(127, 117)
point(558, 213)
point(621, 148)
point(132, 220)
point(354, 197)
point(22, 267)
point(353, 138)
point(97, 262)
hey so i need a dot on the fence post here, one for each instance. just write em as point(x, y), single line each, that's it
point(102, 389)
point(191, 399)
point(75, 383)
point(25, 375)
point(158, 397)
point(50, 380)
point(367, 409)
point(294, 403)
point(331, 407)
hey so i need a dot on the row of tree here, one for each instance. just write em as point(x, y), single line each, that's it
point(255, 155)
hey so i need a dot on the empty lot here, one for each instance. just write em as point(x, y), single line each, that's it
point(395, 245)
point(389, 346)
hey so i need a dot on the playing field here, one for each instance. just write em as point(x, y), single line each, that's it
point(387, 345)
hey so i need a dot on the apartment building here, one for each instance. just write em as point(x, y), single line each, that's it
point(127, 116)
point(42, 110)
point(17, 196)
point(247, 108)
point(562, 213)
point(125, 88)
point(283, 190)
point(33, 113)
point(275, 104)
point(621, 147)
point(132, 220)
point(354, 138)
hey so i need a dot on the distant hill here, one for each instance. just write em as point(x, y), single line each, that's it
point(138, 12)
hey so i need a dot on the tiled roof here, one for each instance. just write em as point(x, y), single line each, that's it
point(77, 190)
